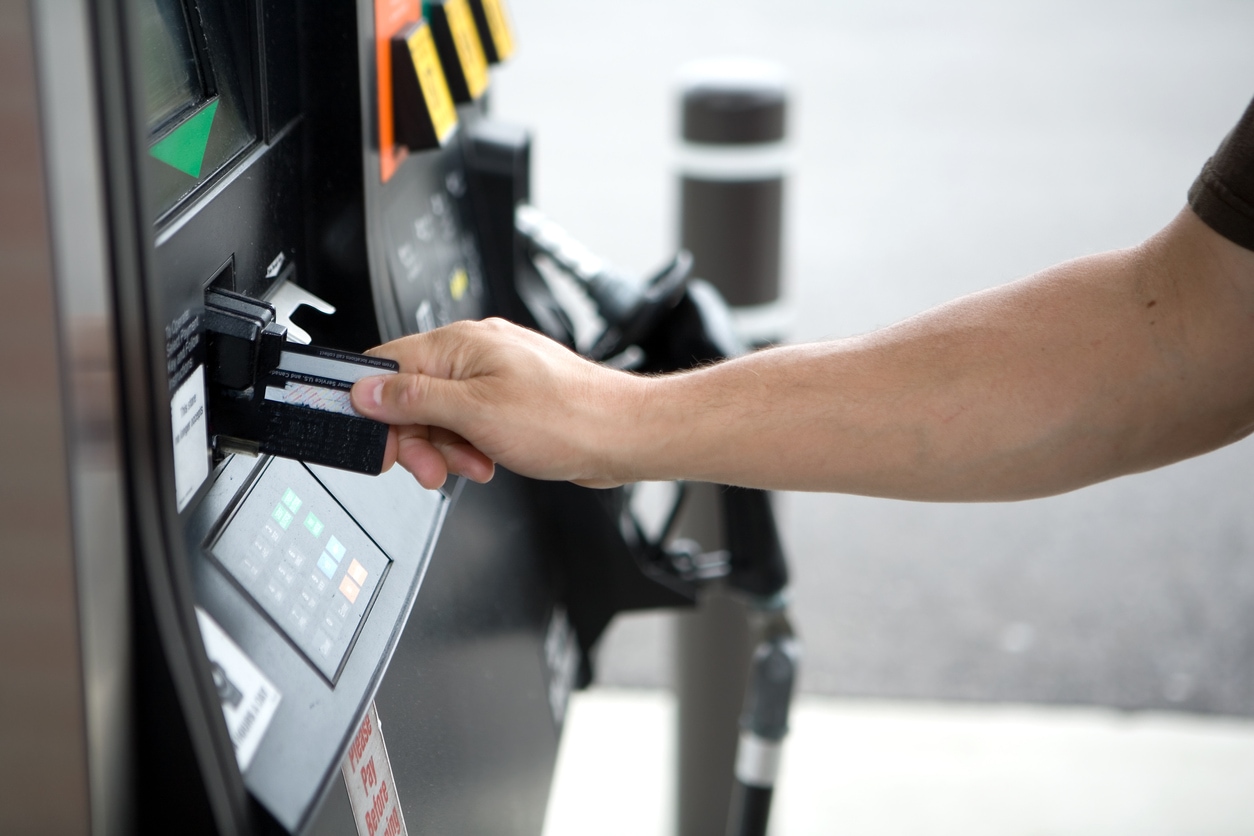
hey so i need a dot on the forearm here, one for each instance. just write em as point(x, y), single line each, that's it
point(1096, 368)
point(1099, 367)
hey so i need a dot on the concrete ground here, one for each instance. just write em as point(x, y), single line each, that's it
point(939, 148)
point(881, 768)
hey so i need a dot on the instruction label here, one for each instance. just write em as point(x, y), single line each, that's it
point(184, 347)
point(190, 426)
point(371, 788)
point(249, 698)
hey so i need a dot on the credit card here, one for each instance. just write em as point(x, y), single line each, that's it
point(309, 414)
point(332, 364)
point(301, 409)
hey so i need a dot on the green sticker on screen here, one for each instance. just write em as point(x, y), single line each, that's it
point(184, 147)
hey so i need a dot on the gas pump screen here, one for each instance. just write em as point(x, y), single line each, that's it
point(304, 561)
point(173, 81)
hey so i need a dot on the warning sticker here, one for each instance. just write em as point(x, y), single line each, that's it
point(433, 84)
point(371, 788)
point(498, 26)
point(468, 46)
point(191, 437)
point(249, 698)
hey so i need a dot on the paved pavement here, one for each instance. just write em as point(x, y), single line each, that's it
point(880, 768)
point(942, 147)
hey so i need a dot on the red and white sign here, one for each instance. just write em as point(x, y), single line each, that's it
point(371, 788)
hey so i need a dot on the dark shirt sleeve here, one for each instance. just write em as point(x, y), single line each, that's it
point(1223, 194)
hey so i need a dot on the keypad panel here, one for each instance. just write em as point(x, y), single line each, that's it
point(304, 562)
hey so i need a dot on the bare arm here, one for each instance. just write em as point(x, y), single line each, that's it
point(1095, 368)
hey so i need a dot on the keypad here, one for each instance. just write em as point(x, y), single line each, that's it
point(304, 562)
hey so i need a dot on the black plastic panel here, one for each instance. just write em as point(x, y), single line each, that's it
point(282, 64)
point(253, 215)
point(465, 704)
point(432, 259)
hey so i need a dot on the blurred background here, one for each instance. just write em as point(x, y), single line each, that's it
point(939, 148)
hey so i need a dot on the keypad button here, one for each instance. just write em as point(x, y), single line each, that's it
point(277, 590)
point(358, 573)
point(332, 624)
point(327, 565)
point(287, 573)
point(296, 557)
point(309, 598)
point(262, 548)
point(249, 569)
point(298, 618)
point(314, 525)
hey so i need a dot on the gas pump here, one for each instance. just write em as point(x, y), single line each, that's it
point(259, 191)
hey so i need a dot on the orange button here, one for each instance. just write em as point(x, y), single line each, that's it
point(358, 573)
point(349, 589)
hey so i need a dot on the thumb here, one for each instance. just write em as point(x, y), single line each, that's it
point(405, 398)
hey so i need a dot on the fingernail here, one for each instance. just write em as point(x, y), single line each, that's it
point(371, 389)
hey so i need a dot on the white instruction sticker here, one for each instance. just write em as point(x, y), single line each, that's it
point(371, 788)
point(191, 437)
point(249, 698)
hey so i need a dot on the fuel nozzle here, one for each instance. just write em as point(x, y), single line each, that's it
point(630, 307)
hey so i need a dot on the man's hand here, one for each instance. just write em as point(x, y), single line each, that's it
point(1099, 367)
point(472, 394)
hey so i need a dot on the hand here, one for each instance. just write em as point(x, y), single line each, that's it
point(475, 393)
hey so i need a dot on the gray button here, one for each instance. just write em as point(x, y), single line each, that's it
point(296, 557)
point(332, 624)
point(287, 573)
point(249, 568)
point(309, 598)
point(262, 549)
point(276, 590)
point(299, 619)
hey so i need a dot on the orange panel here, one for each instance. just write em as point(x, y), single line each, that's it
point(390, 16)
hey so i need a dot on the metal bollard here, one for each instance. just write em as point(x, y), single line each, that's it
point(731, 167)
point(732, 163)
